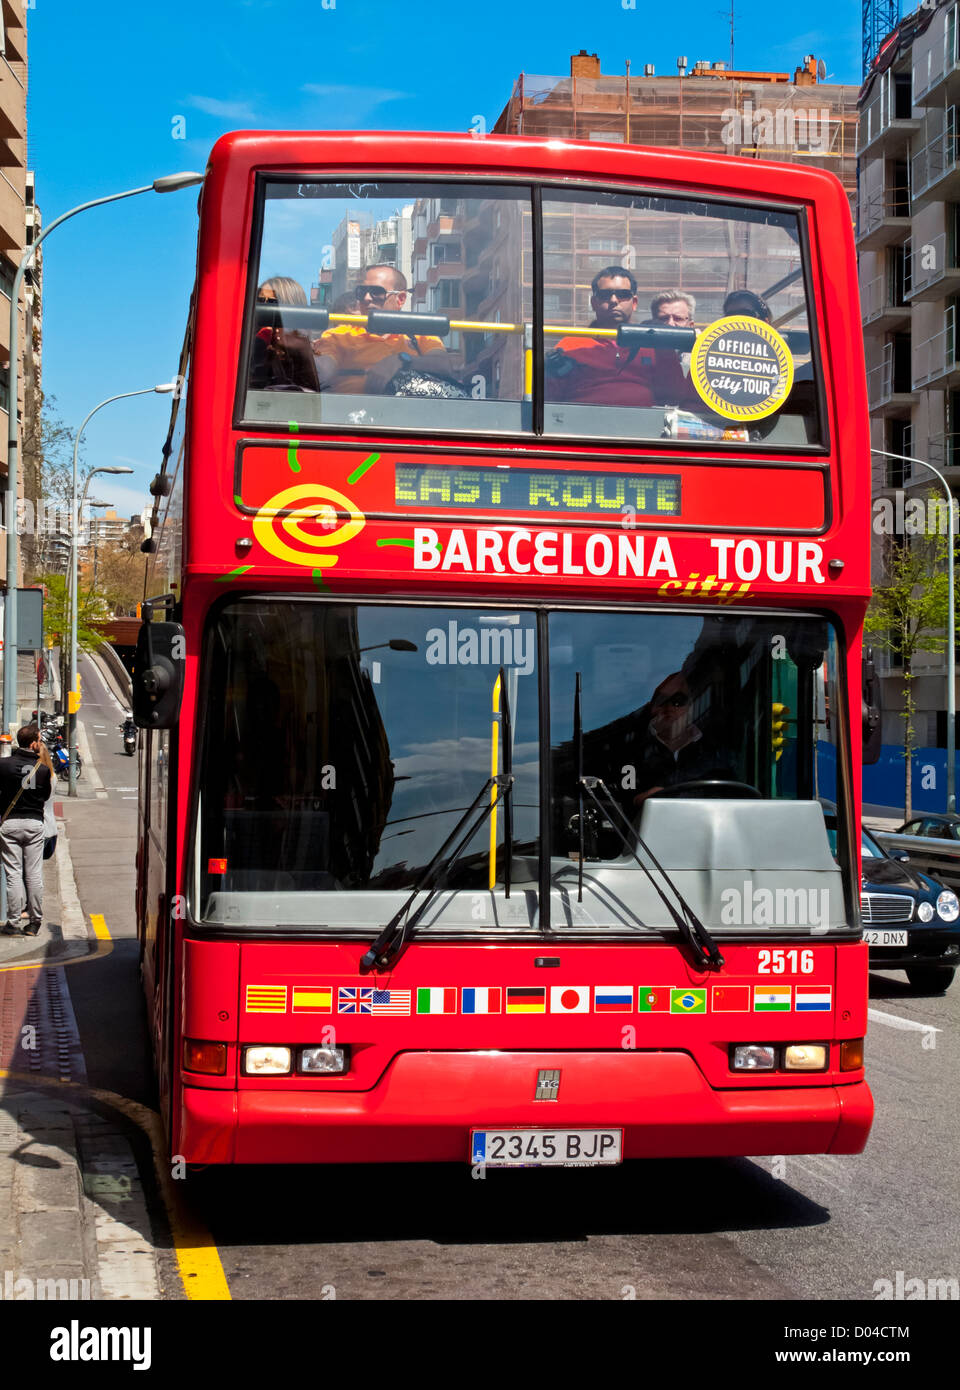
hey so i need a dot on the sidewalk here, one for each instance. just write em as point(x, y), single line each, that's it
point(74, 1221)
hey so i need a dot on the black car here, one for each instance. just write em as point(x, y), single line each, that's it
point(931, 842)
point(910, 922)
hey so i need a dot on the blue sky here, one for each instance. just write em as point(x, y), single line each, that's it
point(109, 82)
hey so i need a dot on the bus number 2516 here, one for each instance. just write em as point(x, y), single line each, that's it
point(785, 963)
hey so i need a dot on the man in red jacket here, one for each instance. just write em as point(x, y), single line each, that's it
point(599, 371)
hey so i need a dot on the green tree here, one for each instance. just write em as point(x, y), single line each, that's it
point(91, 610)
point(908, 615)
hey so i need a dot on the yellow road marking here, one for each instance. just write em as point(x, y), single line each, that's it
point(198, 1260)
point(100, 929)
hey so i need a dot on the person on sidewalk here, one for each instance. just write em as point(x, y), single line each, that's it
point(25, 785)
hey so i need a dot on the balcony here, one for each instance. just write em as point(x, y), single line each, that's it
point(936, 78)
point(930, 270)
point(884, 217)
point(943, 451)
point(880, 131)
point(934, 172)
point(879, 309)
point(935, 363)
point(888, 390)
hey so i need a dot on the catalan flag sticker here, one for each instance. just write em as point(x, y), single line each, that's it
point(688, 1001)
point(310, 1000)
point(266, 999)
point(772, 999)
point(526, 999)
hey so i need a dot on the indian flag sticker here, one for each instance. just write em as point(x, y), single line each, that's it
point(569, 999)
point(772, 999)
point(436, 1001)
point(688, 1001)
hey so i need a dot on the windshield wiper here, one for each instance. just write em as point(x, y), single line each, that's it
point(388, 946)
point(688, 924)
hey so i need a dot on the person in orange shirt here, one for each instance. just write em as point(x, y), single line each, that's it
point(353, 362)
point(600, 371)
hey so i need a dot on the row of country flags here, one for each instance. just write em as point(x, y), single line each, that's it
point(538, 999)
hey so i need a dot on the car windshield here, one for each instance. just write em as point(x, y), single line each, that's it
point(412, 305)
point(344, 741)
point(869, 849)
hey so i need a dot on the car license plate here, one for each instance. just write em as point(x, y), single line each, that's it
point(875, 936)
point(529, 1148)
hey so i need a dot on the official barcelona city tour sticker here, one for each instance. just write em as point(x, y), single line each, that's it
point(741, 368)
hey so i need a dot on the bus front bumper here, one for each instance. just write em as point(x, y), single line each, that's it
point(425, 1105)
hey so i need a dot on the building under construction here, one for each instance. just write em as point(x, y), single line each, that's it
point(707, 107)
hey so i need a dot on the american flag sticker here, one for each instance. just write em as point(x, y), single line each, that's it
point(483, 1000)
point(813, 999)
point(266, 999)
point(393, 1003)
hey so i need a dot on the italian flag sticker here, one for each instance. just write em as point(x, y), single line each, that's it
point(772, 999)
point(436, 1001)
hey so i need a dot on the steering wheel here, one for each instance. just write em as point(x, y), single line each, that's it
point(713, 786)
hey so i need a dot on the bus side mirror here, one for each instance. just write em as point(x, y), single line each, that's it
point(158, 675)
point(870, 710)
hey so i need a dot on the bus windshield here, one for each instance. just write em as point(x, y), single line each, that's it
point(344, 741)
point(411, 305)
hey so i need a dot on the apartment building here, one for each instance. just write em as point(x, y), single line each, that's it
point(19, 221)
point(908, 240)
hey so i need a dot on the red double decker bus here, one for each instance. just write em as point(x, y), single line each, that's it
point(500, 786)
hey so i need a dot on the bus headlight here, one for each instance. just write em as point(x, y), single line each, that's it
point(805, 1057)
point(323, 1061)
point(753, 1057)
point(266, 1061)
point(948, 906)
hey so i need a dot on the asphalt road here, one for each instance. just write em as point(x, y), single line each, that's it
point(808, 1228)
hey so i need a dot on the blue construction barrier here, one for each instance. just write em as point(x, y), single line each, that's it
point(883, 780)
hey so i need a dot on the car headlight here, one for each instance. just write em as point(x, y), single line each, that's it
point(925, 912)
point(948, 906)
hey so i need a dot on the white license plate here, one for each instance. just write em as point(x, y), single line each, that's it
point(528, 1148)
point(874, 936)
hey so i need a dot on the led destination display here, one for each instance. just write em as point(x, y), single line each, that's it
point(535, 490)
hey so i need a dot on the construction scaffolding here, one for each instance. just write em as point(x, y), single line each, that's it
point(754, 116)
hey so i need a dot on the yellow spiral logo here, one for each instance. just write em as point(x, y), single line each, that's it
point(282, 517)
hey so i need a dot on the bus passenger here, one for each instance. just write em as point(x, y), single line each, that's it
point(674, 309)
point(281, 359)
point(352, 361)
point(747, 304)
point(600, 371)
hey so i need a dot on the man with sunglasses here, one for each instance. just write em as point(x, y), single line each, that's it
point(354, 362)
point(600, 371)
point(675, 750)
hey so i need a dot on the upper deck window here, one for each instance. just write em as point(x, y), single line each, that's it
point(411, 306)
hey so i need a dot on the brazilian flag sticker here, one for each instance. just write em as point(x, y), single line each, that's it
point(688, 1001)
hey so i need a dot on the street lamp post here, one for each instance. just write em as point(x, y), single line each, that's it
point(951, 652)
point(169, 183)
point(166, 387)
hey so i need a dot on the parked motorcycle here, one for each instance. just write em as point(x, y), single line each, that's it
point(129, 730)
point(61, 758)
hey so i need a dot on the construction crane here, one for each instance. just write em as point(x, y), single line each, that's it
point(880, 18)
